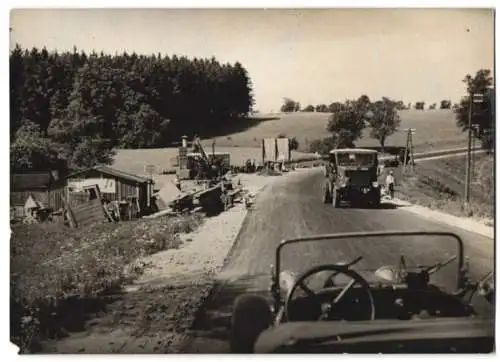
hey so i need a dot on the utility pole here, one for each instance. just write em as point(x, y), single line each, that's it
point(412, 131)
point(468, 161)
point(473, 157)
point(492, 97)
point(409, 148)
point(473, 98)
point(406, 150)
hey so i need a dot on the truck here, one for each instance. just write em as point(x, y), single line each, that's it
point(352, 175)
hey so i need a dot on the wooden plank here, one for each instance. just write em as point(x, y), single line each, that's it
point(234, 192)
point(202, 193)
point(90, 212)
point(69, 213)
point(197, 209)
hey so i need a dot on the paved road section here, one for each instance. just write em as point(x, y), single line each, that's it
point(294, 208)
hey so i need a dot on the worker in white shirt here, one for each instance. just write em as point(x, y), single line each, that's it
point(177, 182)
point(389, 183)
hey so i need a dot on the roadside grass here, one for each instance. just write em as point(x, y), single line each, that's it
point(439, 184)
point(60, 275)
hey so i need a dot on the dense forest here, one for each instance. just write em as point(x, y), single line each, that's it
point(72, 109)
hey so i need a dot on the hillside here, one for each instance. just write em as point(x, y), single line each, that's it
point(435, 129)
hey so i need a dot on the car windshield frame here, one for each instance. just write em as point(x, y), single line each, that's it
point(361, 155)
point(367, 235)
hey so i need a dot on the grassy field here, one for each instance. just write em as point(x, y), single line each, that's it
point(134, 161)
point(435, 129)
point(440, 184)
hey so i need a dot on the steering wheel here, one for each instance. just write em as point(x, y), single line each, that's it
point(336, 269)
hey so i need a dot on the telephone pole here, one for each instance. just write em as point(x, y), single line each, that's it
point(408, 148)
point(473, 98)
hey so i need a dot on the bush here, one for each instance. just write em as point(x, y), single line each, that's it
point(322, 146)
point(488, 141)
point(55, 270)
point(484, 177)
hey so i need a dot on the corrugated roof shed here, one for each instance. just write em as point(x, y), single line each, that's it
point(36, 180)
point(113, 172)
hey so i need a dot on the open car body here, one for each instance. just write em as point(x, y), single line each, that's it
point(396, 308)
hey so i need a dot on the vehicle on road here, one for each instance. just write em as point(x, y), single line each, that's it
point(368, 305)
point(352, 176)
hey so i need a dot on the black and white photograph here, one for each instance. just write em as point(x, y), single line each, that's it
point(261, 180)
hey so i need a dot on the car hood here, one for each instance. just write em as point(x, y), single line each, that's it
point(288, 335)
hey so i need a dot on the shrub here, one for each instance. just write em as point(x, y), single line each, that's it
point(322, 146)
point(484, 177)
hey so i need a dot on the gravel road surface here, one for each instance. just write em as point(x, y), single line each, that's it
point(292, 208)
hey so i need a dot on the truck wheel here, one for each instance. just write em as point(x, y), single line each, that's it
point(251, 316)
point(375, 202)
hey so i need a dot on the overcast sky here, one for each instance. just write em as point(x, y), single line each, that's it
point(312, 56)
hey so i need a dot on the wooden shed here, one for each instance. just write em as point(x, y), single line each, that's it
point(45, 187)
point(114, 185)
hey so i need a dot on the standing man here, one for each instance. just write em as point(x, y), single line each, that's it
point(389, 183)
point(177, 182)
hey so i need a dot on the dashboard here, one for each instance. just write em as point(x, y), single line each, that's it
point(389, 303)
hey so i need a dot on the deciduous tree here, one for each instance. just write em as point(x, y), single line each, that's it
point(483, 115)
point(347, 124)
point(385, 120)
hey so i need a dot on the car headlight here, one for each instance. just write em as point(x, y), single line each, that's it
point(375, 184)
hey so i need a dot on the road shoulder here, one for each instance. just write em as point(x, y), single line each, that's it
point(464, 223)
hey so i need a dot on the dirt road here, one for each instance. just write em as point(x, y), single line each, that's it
point(293, 208)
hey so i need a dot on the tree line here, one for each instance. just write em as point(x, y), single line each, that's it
point(289, 105)
point(72, 108)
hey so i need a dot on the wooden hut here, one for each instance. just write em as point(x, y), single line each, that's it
point(114, 185)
